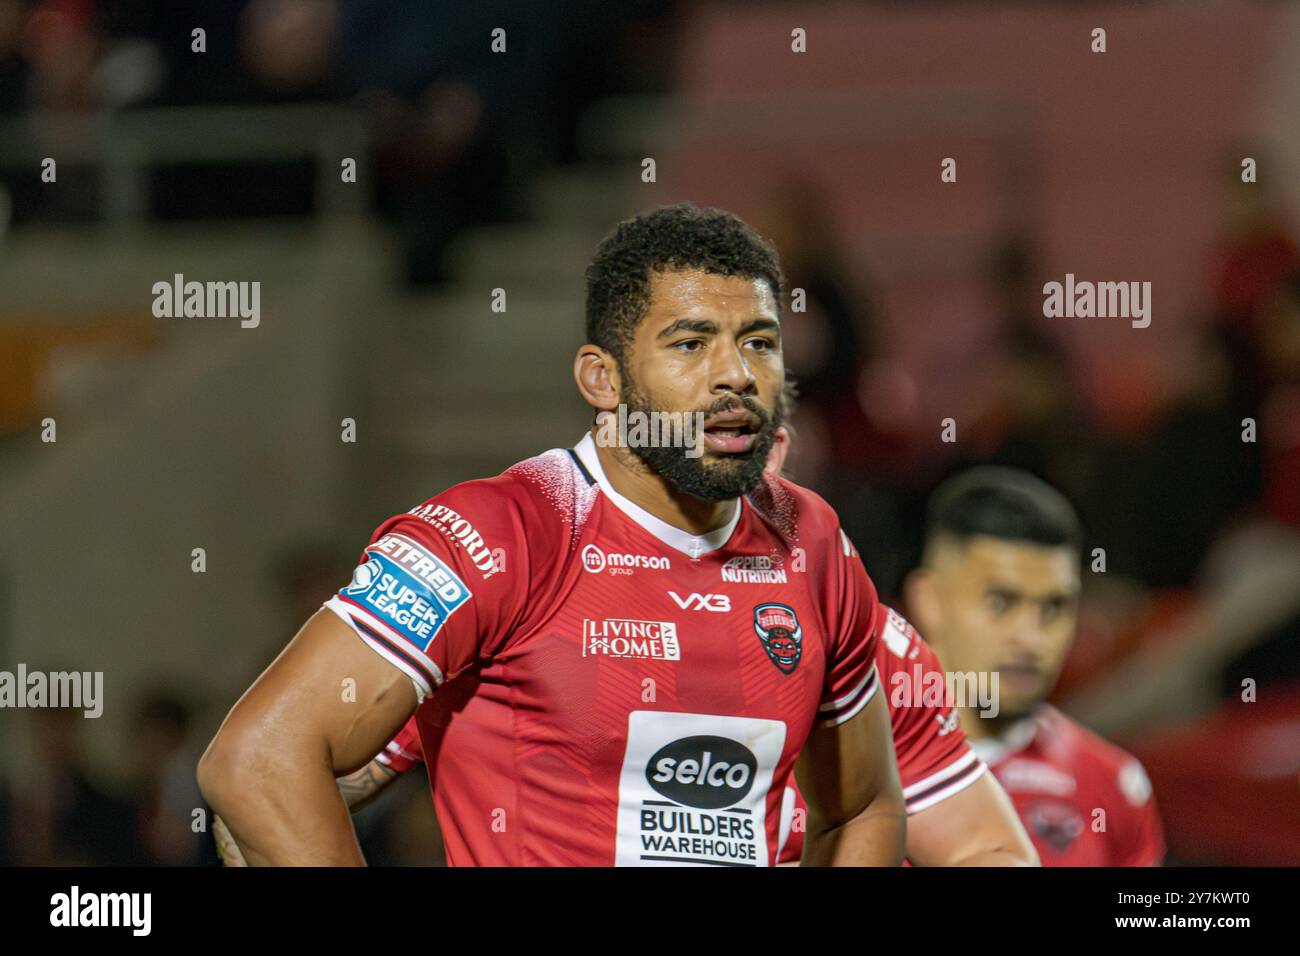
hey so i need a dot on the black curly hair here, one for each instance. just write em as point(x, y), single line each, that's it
point(681, 236)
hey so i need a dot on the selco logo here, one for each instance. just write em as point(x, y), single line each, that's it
point(596, 560)
point(704, 771)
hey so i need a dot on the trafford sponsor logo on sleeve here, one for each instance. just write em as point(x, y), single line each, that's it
point(450, 524)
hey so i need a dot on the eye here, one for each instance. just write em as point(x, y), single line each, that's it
point(762, 345)
point(1052, 609)
point(999, 603)
point(689, 345)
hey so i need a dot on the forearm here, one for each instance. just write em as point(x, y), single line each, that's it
point(361, 787)
point(875, 837)
point(358, 790)
point(292, 816)
point(1000, 856)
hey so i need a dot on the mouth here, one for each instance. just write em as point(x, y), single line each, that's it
point(1021, 677)
point(732, 433)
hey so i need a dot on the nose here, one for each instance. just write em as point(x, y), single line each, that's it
point(1026, 632)
point(730, 371)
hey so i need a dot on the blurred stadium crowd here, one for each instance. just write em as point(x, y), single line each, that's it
point(1201, 529)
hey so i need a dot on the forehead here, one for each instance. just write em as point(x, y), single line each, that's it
point(692, 293)
point(1026, 568)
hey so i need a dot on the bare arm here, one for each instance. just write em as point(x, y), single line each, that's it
point(358, 790)
point(849, 779)
point(361, 787)
point(977, 826)
point(270, 772)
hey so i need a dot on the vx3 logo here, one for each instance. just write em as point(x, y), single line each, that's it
point(702, 602)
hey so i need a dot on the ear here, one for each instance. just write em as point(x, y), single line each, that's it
point(780, 448)
point(922, 598)
point(596, 373)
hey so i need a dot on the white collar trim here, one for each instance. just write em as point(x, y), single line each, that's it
point(689, 544)
point(1013, 740)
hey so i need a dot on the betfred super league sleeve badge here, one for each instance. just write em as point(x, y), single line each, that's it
point(407, 588)
point(777, 627)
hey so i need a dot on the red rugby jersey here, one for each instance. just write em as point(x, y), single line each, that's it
point(1083, 801)
point(935, 760)
point(611, 689)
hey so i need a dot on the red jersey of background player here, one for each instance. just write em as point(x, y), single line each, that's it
point(934, 759)
point(611, 689)
point(1083, 801)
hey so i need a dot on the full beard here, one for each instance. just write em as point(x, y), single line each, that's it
point(711, 476)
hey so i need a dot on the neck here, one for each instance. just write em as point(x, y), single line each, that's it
point(633, 479)
point(976, 727)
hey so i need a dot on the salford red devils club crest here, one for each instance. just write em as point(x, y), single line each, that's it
point(778, 628)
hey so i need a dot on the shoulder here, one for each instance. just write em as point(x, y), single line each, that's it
point(800, 516)
point(545, 493)
point(1112, 769)
point(900, 644)
point(531, 511)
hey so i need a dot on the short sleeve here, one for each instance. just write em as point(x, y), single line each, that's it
point(441, 587)
point(404, 751)
point(1139, 836)
point(935, 760)
point(851, 679)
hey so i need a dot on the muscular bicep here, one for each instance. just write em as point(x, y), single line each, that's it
point(327, 696)
point(978, 819)
point(843, 768)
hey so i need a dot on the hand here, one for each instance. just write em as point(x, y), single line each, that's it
point(227, 848)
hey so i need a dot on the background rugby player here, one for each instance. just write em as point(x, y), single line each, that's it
point(998, 591)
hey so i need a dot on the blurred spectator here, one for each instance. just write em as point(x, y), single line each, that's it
point(1255, 253)
point(1279, 416)
point(1157, 500)
point(166, 754)
point(60, 815)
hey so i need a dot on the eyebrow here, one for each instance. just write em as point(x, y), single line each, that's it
point(709, 327)
point(1014, 592)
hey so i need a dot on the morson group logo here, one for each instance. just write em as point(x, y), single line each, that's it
point(778, 629)
point(596, 560)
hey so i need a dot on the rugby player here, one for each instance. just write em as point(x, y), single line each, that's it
point(622, 652)
point(998, 591)
point(958, 815)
